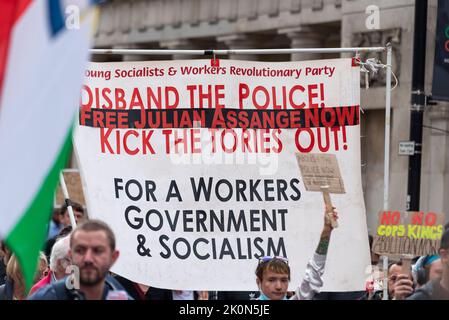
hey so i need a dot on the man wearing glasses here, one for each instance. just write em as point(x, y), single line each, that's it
point(273, 273)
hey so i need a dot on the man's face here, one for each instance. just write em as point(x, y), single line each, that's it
point(393, 273)
point(274, 285)
point(91, 253)
point(444, 258)
point(79, 216)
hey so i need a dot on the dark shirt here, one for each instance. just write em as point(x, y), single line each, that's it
point(2, 272)
point(439, 292)
point(7, 290)
point(350, 295)
point(59, 291)
point(432, 290)
point(131, 287)
point(158, 294)
point(236, 295)
point(152, 293)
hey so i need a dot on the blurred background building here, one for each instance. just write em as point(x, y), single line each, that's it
point(239, 24)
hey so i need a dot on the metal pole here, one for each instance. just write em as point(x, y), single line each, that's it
point(387, 129)
point(418, 101)
point(66, 198)
point(385, 274)
point(235, 51)
point(387, 158)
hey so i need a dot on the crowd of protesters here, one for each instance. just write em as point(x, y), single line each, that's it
point(91, 249)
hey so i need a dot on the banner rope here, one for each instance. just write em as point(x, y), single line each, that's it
point(373, 65)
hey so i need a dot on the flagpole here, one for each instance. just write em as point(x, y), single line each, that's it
point(66, 200)
point(236, 51)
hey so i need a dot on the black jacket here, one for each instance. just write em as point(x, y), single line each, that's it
point(7, 290)
point(432, 290)
point(2, 272)
point(59, 291)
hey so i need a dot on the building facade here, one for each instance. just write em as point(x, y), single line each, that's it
point(239, 24)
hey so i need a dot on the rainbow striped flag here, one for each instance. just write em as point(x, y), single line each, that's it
point(41, 72)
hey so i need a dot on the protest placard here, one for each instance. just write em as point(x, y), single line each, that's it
point(408, 233)
point(194, 168)
point(320, 170)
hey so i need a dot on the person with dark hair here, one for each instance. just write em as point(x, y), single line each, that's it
point(55, 224)
point(400, 284)
point(273, 273)
point(437, 289)
point(78, 212)
point(93, 252)
point(61, 221)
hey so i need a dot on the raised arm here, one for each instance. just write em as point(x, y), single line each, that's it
point(313, 281)
point(323, 245)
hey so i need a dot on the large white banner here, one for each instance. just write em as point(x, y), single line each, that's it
point(193, 166)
